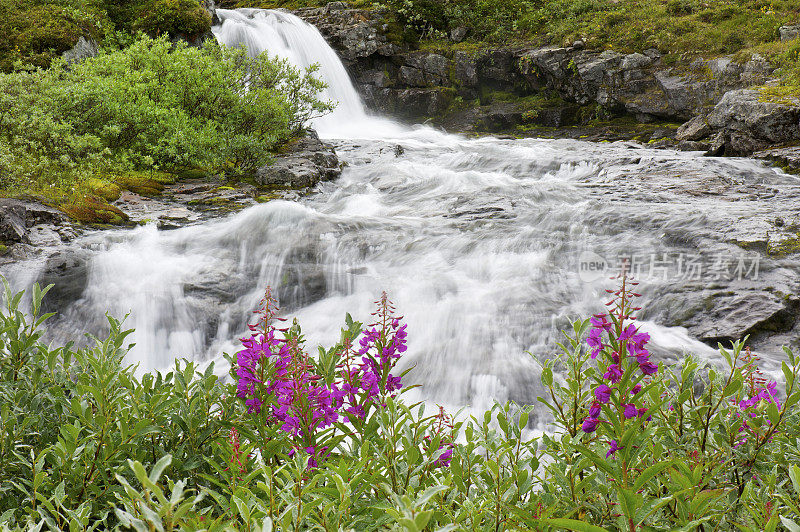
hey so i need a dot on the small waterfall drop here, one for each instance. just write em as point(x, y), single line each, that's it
point(287, 36)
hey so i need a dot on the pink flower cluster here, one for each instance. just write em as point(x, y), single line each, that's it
point(624, 347)
point(278, 381)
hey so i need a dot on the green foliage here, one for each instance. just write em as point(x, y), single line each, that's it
point(36, 33)
point(174, 17)
point(86, 444)
point(154, 104)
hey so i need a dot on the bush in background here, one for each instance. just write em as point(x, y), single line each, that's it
point(155, 104)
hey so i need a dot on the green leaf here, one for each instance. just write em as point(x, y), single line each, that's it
point(773, 414)
point(794, 475)
point(630, 501)
point(547, 376)
point(734, 386)
point(422, 518)
point(159, 467)
point(649, 473)
point(702, 500)
point(573, 524)
point(790, 525)
point(428, 493)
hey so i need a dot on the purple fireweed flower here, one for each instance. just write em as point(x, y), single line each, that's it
point(594, 340)
point(602, 393)
point(636, 389)
point(630, 411)
point(638, 342)
point(589, 425)
point(444, 458)
point(648, 368)
point(614, 373)
point(612, 449)
point(599, 321)
point(627, 333)
point(594, 410)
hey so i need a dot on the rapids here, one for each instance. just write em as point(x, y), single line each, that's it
point(486, 246)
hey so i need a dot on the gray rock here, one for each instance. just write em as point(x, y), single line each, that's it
point(635, 61)
point(750, 124)
point(784, 156)
point(83, 49)
point(308, 162)
point(695, 129)
point(377, 78)
point(436, 67)
point(303, 277)
point(68, 271)
point(789, 32)
point(466, 72)
point(411, 77)
point(744, 315)
point(423, 102)
point(458, 34)
point(17, 217)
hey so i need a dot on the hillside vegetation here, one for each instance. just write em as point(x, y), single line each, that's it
point(120, 118)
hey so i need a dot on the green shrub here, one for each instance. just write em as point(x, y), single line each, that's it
point(152, 104)
point(174, 17)
point(37, 34)
point(631, 446)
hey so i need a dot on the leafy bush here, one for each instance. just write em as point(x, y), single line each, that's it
point(152, 104)
point(37, 34)
point(174, 17)
point(296, 442)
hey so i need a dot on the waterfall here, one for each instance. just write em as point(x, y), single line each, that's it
point(287, 36)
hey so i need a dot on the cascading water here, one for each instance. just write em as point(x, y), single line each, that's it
point(478, 242)
point(284, 35)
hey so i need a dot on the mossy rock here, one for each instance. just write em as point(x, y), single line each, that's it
point(790, 246)
point(3, 249)
point(144, 183)
point(104, 189)
point(38, 34)
point(264, 198)
point(93, 210)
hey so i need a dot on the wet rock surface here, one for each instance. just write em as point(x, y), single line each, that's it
point(307, 162)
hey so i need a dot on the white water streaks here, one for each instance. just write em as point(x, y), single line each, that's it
point(477, 241)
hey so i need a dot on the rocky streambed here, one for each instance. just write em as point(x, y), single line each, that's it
point(482, 241)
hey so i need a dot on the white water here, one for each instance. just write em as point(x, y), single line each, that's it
point(476, 240)
point(285, 35)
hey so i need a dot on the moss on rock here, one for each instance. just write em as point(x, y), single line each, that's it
point(93, 210)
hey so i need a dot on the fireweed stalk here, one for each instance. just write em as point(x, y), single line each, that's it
point(283, 388)
point(624, 363)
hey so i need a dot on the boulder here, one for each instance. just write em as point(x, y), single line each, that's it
point(308, 162)
point(411, 77)
point(466, 73)
point(83, 49)
point(458, 34)
point(750, 123)
point(789, 32)
point(17, 217)
point(746, 314)
point(695, 129)
point(68, 271)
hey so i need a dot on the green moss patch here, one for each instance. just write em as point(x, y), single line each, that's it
point(93, 210)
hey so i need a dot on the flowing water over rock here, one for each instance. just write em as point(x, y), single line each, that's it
point(487, 246)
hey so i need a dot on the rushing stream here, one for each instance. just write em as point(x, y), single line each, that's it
point(479, 242)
